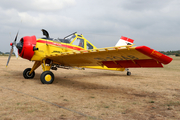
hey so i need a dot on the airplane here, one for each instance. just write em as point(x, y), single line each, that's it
point(75, 51)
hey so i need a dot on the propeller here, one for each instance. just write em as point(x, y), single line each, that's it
point(13, 48)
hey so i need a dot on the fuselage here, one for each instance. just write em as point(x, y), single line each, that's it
point(36, 49)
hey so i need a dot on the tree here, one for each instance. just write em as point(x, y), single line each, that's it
point(177, 54)
point(7, 53)
point(1, 53)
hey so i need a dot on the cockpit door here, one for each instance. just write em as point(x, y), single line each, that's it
point(79, 42)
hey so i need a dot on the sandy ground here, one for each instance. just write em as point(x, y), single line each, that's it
point(148, 94)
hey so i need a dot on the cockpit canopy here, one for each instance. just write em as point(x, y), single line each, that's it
point(77, 40)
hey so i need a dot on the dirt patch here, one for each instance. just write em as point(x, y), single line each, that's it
point(151, 94)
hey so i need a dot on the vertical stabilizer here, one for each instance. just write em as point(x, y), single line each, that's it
point(124, 41)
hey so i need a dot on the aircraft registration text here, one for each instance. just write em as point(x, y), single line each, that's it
point(114, 58)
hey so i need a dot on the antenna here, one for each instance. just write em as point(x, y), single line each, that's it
point(70, 35)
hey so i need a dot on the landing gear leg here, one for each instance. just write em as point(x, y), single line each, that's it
point(128, 72)
point(47, 77)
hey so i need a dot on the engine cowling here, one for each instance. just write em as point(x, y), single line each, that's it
point(26, 46)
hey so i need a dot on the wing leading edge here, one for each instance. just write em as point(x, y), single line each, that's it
point(113, 57)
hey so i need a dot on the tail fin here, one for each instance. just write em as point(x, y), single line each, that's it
point(124, 41)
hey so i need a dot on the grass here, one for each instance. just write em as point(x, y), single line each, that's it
point(146, 94)
point(30, 111)
point(65, 100)
point(173, 103)
point(92, 97)
point(18, 103)
point(106, 106)
point(151, 102)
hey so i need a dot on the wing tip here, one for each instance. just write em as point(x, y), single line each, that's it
point(154, 54)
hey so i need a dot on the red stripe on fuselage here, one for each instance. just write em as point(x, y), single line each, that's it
point(59, 44)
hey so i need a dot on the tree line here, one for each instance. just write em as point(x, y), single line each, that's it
point(176, 53)
point(6, 53)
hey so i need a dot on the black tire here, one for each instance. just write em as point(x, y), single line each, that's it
point(128, 73)
point(26, 74)
point(47, 77)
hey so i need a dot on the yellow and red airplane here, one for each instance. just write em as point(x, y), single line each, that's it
point(74, 51)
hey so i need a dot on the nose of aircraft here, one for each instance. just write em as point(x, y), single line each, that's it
point(26, 47)
point(19, 45)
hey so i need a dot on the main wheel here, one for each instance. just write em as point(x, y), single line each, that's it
point(47, 77)
point(26, 74)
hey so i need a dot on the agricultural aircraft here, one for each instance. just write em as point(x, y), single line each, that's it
point(75, 51)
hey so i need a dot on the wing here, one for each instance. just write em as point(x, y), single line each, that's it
point(113, 57)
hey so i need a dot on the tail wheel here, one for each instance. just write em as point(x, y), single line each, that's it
point(26, 74)
point(128, 73)
point(47, 77)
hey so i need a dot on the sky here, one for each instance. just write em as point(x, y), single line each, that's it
point(153, 23)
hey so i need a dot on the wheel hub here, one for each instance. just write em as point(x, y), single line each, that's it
point(29, 75)
point(48, 78)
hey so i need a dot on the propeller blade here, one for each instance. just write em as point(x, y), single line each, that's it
point(13, 48)
point(15, 51)
point(9, 56)
point(16, 36)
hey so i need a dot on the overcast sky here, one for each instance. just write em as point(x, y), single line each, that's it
point(154, 23)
